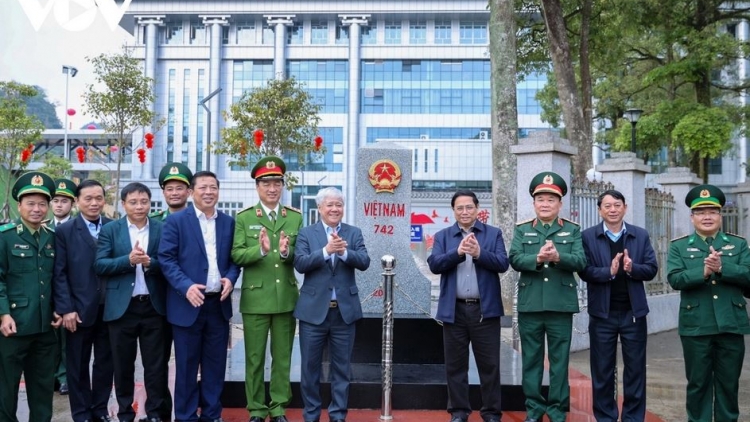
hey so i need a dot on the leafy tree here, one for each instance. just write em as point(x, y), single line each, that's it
point(40, 106)
point(286, 116)
point(19, 132)
point(56, 166)
point(120, 101)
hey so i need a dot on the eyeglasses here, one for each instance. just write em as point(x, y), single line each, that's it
point(467, 208)
point(702, 213)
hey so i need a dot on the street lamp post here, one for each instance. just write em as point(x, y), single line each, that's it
point(208, 126)
point(70, 72)
point(632, 114)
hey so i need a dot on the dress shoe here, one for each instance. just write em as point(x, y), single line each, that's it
point(456, 418)
point(104, 418)
point(63, 389)
point(281, 418)
point(338, 420)
point(256, 419)
point(151, 419)
point(492, 419)
point(530, 420)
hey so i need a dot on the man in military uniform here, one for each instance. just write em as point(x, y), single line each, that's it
point(62, 205)
point(264, 239)
point(547, 251)
point(174, 180)
point(711, 269)
point(28, 343)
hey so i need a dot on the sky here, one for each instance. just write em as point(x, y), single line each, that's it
point(71, 31)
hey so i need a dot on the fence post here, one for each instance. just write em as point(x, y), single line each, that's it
point(628, 173)
point(678, 181)
point(389, 263)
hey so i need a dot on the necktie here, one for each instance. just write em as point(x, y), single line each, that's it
point(36, 237)
point(709, 240)
point(272, 216)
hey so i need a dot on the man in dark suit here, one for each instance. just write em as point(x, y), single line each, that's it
point(79, 298)
point(468, 256)
point(619, 258)
point(195, 258)
point(327, 254)
point(135, 304)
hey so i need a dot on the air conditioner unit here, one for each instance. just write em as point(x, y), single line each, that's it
point(483, 134)
point(424, 136)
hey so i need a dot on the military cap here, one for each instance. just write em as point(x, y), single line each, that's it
point(548, 182)
point(65, 187)
point(705, 196)
point(269, 168)
point(175, 171)
point(33, 182)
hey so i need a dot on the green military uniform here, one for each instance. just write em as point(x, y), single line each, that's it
point(27, 259)
point(713, 316)
point(67, 188)
point(171, 171)
point(269, 294)
point(547, 300)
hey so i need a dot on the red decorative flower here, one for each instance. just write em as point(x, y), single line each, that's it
point(141, 155)
point(258, 137)
point(81, 154)
point(318, 142)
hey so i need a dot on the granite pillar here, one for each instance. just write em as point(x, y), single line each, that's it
point(678, 181)
point(628, 174)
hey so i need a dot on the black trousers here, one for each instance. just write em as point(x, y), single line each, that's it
point(141, 324)
point(89, 391)
point(484, 336)
point(603, 335)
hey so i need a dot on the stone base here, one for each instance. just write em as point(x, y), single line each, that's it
point(418, 370)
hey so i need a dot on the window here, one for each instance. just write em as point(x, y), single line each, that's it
point(393, 32)
point(198, 34)
point(442, 32)
point(418, 32)
point(369, 35)
point(473, 33)
point(714, 165)
point(319, 32)
point(436, 160)
point(342, 35)
point(268, 35)
point(294, 35)
point(174, 34)
point(245, 33)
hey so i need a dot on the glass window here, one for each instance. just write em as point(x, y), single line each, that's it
point(246, 33)
point(443, 31)
point(417, 32)
point(170, 114)
point(319, 33)
point(369, 34)
point(198, 34)
point(473, 32)
point(174, 34)
point(268, 34)
point(327, 81)
point(294, 35)
point(342, 35)
point(393, 32)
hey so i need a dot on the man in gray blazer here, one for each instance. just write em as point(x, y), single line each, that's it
point(327, 253)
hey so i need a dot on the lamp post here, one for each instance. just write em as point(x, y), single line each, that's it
point(632, 114)
point(208, 126)
point(70, 72)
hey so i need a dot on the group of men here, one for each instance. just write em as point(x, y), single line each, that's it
point(166, 278)
point(710, 268)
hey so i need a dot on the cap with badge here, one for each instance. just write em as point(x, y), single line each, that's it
point(175, 171)
point(65, 187)
point(705, 196)
point(33, 182)
point(548, 182)
point(269, 168)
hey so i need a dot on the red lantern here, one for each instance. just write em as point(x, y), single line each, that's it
point(141, 155)
point(26, 154)
point(92, 126)
point(318, 142)
point(258, 137)
point(81, 154)
point(71, 112)
point(114, 148)
point(149, 140)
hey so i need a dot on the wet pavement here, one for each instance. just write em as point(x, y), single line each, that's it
point(665, 392)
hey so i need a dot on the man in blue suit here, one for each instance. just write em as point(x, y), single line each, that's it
point(195, 258)
point(468, 256)
point(78, 296)
point(619, 258)
point(327, 254)
point(134, 304)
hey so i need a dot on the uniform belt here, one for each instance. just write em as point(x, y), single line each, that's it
point(334, 304)
point(212, 294)
point(468, 301)
point(140, 298)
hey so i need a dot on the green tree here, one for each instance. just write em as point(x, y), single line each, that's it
point(120, 100)
point(19, 132)
point(56, 166)
point(286, 114)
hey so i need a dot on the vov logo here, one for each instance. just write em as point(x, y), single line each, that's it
point(85, 12)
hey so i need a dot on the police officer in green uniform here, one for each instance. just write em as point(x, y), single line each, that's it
point(711, 269)
point(264, 239)
point(28, 343)
point(174, 180)
point(547, 251)
point(62, 205)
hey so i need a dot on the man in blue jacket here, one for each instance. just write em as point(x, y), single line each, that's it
point(468, 256)
point(619, 258)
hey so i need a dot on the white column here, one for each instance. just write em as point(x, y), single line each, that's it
point(157, 158)
point(215, 22)
point(352, 141)
point(742, 74)
point(279, 23)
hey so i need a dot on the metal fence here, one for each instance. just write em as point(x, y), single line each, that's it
point(659, 224)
